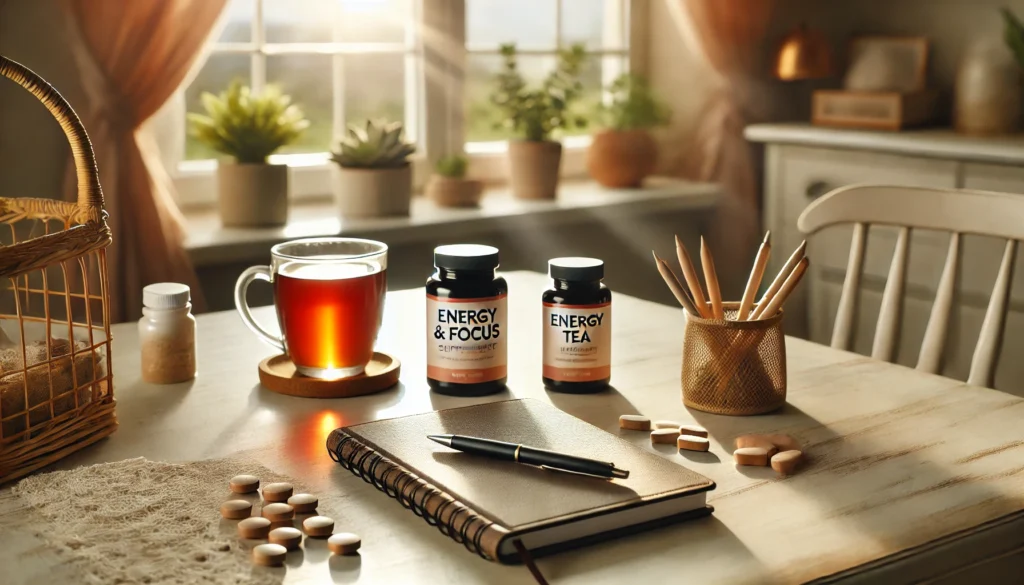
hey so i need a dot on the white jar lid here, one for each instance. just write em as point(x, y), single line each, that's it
point(166, 295)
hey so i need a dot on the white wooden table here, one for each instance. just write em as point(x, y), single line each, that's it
point(912, 476)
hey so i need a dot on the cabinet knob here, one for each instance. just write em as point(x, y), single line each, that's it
point(816, 189)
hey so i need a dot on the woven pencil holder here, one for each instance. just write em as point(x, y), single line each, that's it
point(734, 367)
point(56, 393)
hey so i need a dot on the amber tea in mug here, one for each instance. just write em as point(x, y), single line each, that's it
point(329, 296)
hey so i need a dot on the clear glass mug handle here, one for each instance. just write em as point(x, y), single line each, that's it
point(244, 280)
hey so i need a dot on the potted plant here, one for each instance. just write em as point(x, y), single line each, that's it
point(624, 153)
point(249, 128)
point(535, 114)
point(449, 187)
point(373, 177)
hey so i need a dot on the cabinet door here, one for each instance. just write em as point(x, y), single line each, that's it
point(799, 174)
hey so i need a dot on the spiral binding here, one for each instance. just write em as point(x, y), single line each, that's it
point(412, 493)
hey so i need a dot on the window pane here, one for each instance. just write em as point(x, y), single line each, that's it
point(528, 23)
point(220, 69)
point(303, 21)
point(307, 78)
point(599, 24)
point(596, 74)
point(238, 22)
point(374, 88)
point(481, 115)
point(373, 21)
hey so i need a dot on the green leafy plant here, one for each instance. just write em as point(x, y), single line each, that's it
point(452, 166)
point(380, 145)
point(1013, 35)
point(536, 113)
point(633, 105)
point(248, 126)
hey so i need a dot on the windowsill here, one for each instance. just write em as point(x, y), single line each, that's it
point(209, 243)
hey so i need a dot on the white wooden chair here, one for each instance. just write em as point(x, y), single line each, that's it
point(956, 211)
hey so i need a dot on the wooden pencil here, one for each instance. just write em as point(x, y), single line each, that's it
point(692, 280)
point(673, 285)
point(754, 281)
point(780, 278)
point(711, 280)
point(787, 287)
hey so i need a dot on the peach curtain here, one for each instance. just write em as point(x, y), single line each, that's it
point(731, 35)
point(131, 56)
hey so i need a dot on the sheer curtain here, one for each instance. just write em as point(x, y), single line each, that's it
point(131, 56)
point(730, 34)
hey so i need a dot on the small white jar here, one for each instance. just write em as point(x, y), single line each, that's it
point(167, 334)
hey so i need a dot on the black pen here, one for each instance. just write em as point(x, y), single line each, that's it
point(530, 455)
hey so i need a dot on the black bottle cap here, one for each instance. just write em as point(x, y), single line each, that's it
point(466, 257)
point(576, 268)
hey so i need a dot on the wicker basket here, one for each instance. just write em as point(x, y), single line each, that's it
point(734, 367)
point(56, 395)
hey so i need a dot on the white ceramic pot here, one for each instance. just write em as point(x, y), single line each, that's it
point(988, 90)
point(252, 194)
point(372, 192)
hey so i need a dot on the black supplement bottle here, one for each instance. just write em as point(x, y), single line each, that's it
point(577, 327)
point(467, 327)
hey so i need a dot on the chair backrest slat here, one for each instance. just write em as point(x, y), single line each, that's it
point(986, 353)
point(887, 330)
point(958, 211)
point(933, 346)
point(842, 332)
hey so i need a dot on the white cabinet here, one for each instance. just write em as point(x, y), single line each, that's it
point(798, 171)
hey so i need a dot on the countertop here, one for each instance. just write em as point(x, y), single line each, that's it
point(210, 243)
point(928, 142)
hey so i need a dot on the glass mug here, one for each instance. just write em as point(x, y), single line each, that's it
point(329, 295)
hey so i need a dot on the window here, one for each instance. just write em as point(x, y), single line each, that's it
point(343, 61)
point(539, 28)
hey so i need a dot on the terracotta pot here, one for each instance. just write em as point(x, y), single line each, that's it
point(372, 192)
point(252, 194)
point(533, 167)
point(451, 192)
point(622, 158)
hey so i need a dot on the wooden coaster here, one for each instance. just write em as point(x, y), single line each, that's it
point(278, 375)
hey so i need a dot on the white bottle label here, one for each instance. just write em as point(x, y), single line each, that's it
point(467, 339)
point(577, 342)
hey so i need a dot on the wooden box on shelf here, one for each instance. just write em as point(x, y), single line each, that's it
point(873, 110)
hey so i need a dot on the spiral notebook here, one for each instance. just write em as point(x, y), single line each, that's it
point(494, 507)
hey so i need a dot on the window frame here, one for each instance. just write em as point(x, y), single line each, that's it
point(434, 103)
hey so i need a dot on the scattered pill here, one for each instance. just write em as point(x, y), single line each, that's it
point(668, 436)
point(255, 527)
point(236, 509)
point(750, 456)
point(303, 503)
point(692, 443)
point(634, 422)
point(244, 484)
point(760, 441)
point(277, 492)
point(287, 537)
point(269, 555)
point(278, 512)
point(344, 543)
point(784, 442)
point(693, 430)
point(666, 424)
point(318, 526)
point(787, 461)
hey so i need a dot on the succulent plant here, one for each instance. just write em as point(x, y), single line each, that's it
point(536, 113)
point(380, 145)
point(633, 106)
point(452, 166)
point(248, 126)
